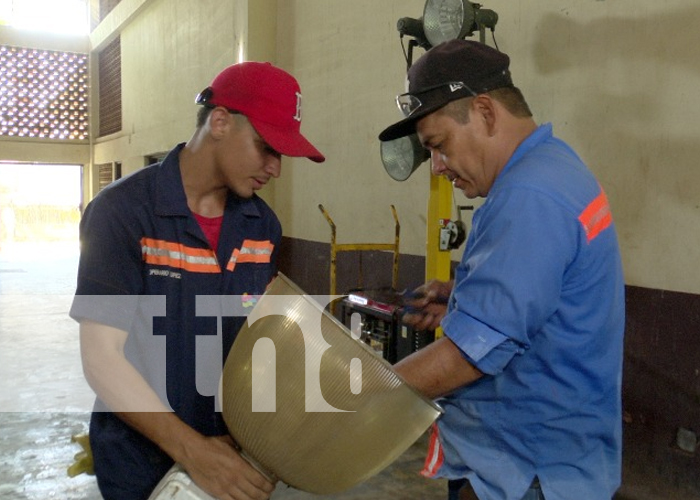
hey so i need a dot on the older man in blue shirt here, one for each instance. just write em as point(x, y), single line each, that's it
point(529, 368)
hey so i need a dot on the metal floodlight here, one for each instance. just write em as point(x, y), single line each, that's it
point(408, 26)
point(445, 20)
point(402, 156)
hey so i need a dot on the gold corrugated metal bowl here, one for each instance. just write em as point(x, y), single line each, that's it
point(322, 452)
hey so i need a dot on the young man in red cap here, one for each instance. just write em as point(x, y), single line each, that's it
point(529, 369)
point(188, 227)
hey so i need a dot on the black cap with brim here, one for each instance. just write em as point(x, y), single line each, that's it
point(405, 127)
point(478, 67)
point(432, 101)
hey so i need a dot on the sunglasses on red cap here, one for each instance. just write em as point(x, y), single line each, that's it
point(203, 100)
point(204, 96)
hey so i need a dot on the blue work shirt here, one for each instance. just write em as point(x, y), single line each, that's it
point(538, 307)
point(142, 250)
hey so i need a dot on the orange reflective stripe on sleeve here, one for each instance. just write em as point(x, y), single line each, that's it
point(258, 252)
point(177, 255)
point(596, 216)
point(435, 457)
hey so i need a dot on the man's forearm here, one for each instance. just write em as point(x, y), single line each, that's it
point(437, 369)
point(122, 388)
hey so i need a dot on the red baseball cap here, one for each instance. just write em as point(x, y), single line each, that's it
point(271, 100)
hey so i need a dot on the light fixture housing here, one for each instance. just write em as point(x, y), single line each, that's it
point(401, 157)
point(408, 26)
point(445, 20)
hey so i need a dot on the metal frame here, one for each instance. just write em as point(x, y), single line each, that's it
point(361, 247)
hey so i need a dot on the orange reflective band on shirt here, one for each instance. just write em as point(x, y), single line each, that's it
point(435, 457)
point(232, 261)
point(258, 252)
point(596, 217)
point(177, 255)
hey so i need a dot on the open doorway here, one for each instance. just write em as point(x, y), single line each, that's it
point(39, 205)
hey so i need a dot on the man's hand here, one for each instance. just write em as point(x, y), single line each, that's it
point(426, 305)
point(215, 465)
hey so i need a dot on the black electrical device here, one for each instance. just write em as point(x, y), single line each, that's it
point(376, 317)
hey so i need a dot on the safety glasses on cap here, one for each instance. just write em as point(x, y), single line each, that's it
point(409, 103)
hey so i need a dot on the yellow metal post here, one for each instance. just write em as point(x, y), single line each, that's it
point(333, 246)
point(437, 262)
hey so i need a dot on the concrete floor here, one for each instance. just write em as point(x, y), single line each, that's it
point(44, 399)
